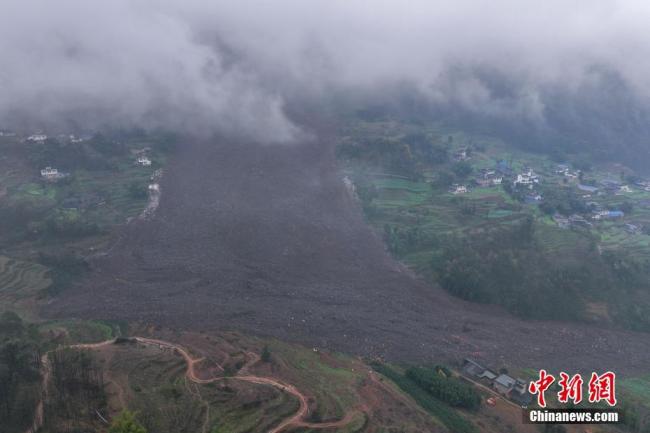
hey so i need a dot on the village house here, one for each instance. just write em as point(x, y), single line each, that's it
point(533, 198)
point(643, 184)
point(519, 393)
point(458, 189)
point(565, 171)
point(488, 177)
point(528, 179)
point(632, 228)
point(37, 138)
point(610, 185)
point(561, 169)
point(512, 388)
point(503, 384)
point(49, 173)
point(143, 161)
point(561, 221)
point(609, 214)
point(461, 155)
point(624, 189)
point(4, 133)
point(579, 221)
point(74, 139)
point(472, 368)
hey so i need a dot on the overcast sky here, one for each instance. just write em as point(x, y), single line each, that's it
point(215, 65)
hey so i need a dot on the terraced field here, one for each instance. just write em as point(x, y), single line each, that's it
point(116, 204)
point(20, 279)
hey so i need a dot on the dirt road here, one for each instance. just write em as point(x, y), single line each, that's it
point(296, 419)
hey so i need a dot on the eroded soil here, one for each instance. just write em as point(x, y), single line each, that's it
point(267, 240)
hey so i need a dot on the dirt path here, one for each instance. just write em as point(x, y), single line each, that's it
point(46, 371)
point(296, 419)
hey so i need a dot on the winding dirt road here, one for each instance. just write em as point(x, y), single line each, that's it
point(296, 419)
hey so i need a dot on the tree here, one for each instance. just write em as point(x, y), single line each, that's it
point(125, 422)
point(462, 169)
point(266, 354)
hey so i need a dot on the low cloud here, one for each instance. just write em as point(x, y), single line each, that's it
point(216, 66)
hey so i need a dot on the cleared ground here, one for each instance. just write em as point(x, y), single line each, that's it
point(267, 240)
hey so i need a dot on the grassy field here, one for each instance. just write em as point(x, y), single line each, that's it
point(328, 376)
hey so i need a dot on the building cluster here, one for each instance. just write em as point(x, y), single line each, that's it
point(488, 177)
point(512, 388)
point(461, 155)
point(141, 157)
point(37, 138)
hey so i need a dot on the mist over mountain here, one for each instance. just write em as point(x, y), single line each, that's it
point(546, 74)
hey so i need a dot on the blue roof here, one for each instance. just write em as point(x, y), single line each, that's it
point(616, 213)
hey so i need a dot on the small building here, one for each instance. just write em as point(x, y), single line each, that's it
point(528, 178)
point(632, 228)
point(488, 374)
point(609, 214)
point(74, 139)
point(489, 177)
point(143, 161)
point(503, 384)
point(37, 138)
point(520, 395)
point(533, 199)
point(473, 368)
point(578, 220)
point(561, 221)
point(610, 185)
point(461, 155)
point(562, 169)
point(50, 173)
point(458, 189)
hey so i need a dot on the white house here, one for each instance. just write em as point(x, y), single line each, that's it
point(143, 161)
point(50, 173)
point(458, 189)
point(37, 138)
point(74, 139)
point(527, 178)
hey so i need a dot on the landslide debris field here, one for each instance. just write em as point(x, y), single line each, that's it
point(267, 240)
